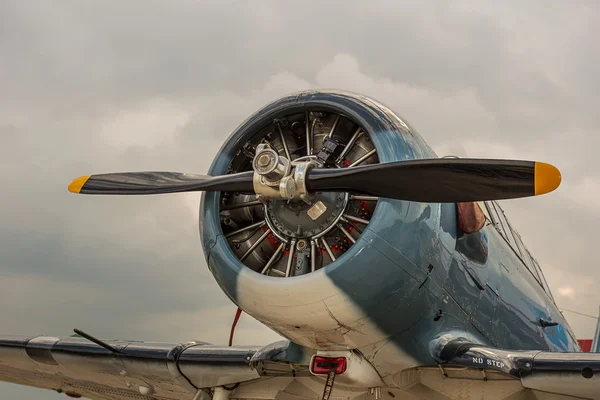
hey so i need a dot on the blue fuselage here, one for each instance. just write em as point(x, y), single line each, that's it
point(411, 277)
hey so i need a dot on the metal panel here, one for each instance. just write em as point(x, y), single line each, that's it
point(463, 286)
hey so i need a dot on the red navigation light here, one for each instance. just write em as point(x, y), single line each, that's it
point(322, 365)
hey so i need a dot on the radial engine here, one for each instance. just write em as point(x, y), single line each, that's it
point(279, 253)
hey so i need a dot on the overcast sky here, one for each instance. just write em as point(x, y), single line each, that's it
point(98, 86)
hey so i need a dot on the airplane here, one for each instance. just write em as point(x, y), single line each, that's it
point(389, 272)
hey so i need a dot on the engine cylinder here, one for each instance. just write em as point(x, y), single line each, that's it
point(310, 270)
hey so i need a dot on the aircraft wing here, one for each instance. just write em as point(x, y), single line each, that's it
point(569, 375)
point(118, 370)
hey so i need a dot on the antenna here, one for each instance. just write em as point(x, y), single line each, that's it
point(578, 313)
point(97, 341)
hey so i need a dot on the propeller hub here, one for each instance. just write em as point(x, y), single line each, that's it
point(265, 161)
point(270, 166)
point(291, 211)
point(299, 220)
point(276, 178)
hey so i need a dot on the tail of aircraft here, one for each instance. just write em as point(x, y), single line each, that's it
point(592, 345)
point(596, 343)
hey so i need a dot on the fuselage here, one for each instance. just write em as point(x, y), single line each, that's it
point(411, 276)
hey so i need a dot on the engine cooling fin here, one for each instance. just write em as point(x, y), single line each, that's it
point(284, 238)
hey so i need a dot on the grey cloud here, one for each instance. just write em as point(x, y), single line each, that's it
point(181, 48)
point(91, 87)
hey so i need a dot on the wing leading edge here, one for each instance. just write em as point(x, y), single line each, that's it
point(141, 370)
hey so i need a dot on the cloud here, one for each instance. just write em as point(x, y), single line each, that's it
point(566, 291)
point(90, 87)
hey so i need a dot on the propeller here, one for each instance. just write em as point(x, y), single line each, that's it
point(442, 180)
point(432, 180)
point(127, 183)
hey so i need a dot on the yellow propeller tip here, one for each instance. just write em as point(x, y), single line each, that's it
point(546, 178)
point(77, 184)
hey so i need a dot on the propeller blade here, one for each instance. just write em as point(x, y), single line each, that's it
point(128, 183)
point(443, 180)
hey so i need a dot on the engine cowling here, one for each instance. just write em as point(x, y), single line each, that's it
point(312, 270)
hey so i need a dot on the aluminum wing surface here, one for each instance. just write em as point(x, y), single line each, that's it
point(140, 370)
point(567, 375)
